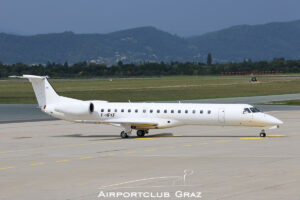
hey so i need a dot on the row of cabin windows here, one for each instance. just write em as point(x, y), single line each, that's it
point(157, 111)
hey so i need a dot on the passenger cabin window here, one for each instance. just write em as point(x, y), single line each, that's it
point(254, 110)
point(209, 112)
point(129, 110)
point(201, 111)
point(151, 111)
point(102, 110)
point(186, 111)
point(165, 111)
point(136, 110)
point(246, 110)
point(122, 110)
point(108, 110)
point(116, 110)
point(144, 111)
point(158, 111)
point(179, 111)
point(172, 111)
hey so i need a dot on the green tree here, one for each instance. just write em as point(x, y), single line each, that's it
point(120, 63)
point(209, 59)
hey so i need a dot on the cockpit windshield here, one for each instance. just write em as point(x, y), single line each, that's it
point(246, 110)
point(254, 110)
point(251, 110)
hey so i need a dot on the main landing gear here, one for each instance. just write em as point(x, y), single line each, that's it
point(127, 132)
point(124, 134)
point(263, 133)
point(139, 133)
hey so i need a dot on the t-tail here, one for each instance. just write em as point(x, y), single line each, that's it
point(53, 104)
point(44, 92)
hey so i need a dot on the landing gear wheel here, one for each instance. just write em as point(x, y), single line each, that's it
point(262, 133)
point(140, 133)
point(123, 134)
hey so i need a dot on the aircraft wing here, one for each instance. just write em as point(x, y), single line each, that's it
point(133, 122)
point(124, 121)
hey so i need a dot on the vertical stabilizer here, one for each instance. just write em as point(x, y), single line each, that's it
point(44, 92)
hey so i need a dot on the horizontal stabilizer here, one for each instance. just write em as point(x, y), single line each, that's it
point(29, 77)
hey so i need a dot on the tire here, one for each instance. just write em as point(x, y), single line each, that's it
point(262, 134)
point(140, 133)
point(123, 134)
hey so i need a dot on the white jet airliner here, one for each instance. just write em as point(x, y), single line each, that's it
point(145, 116)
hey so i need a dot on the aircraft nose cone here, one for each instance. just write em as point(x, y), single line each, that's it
point(279, 121)
point(273, 120)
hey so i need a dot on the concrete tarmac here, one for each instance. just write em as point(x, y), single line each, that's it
point(63, 160)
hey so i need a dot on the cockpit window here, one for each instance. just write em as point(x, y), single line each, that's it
point(246, 110)
point(254, 110)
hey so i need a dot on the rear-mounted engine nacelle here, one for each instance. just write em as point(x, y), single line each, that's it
point(75, 108)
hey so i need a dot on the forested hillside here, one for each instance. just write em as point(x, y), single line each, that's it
point(148, 44)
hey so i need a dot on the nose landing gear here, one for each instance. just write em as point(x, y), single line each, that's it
point(263, 133)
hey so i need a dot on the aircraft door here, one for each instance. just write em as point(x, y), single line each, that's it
point(221, 116)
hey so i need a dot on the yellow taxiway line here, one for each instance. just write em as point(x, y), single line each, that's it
point(130, 152)
point(35, 164)
point(61, 161)
point(9, 167)
point(258, 138)
point(87, 157)
point(275, 135)
point(251, 138)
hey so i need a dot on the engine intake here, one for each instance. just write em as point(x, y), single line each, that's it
point(92, 107)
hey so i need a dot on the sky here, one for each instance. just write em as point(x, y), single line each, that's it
point(181, 17)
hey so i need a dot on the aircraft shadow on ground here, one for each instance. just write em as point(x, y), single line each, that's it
point(161, 135)
point(103, 137)
point(196, 136)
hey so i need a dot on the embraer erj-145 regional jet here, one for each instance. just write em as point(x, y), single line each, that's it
point(145, 116)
